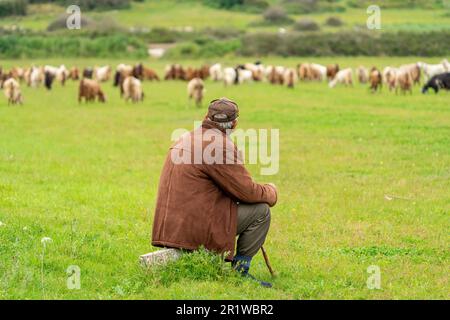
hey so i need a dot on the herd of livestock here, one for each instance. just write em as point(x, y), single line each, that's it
point(129, 78)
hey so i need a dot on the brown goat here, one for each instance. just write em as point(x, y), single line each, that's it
point(149, 74)
point(404, 82)
point(175, 72)
point(12, 91)
point(89, 90)
point(332, 70)
point(196, 90)
point(74, 74)
point(376, 80)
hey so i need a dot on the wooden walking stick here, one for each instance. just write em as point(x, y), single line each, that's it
point(266, 259)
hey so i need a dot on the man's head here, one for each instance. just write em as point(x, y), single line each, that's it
point(224, 113)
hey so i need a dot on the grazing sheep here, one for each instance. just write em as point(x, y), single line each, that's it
point(48, 79)
point(290, 78)
point(11, 88)
point(279, 71)
point(122, 71)
point(230, 76)
point(216, 72)
point(89, 90)
point(446, 65)
point(363, 75)
point(376, 80)
point(196, 90)
point(17, 73)
point(312, 72)
point(60, 74)
point(204, 72)
point(150, 74)
point(102, 74)
point(414, 71)
point(403, 81)
point(319, 72)
point(389, 77)
point(88, 73)
point(143, 73)
point(132, 89)
point(441, 81)
point(36, 77)
point(3, 78)
point(26, 76)
point(243, 75)
point(275, 75)
point(344, 76)
point(303, 71)
point(74, 74)
point(257, 70)
point(332, 70)
point(191, 73)
point(174, 72)
point(431, 70)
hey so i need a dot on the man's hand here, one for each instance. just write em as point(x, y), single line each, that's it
point(273, 186)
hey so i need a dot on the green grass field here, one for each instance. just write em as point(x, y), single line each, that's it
point(364, 180)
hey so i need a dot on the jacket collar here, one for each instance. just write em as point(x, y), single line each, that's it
point(208, 124)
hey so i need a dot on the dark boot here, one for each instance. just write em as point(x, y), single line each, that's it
point(242, 265)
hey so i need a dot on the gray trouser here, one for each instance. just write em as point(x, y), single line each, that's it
point(253, 225)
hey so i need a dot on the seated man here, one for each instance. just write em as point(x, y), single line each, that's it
point(206, 196)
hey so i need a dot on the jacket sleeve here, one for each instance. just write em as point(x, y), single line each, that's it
point(235, 180)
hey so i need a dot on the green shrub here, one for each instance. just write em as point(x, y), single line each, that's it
point(90, 4)
point(350, 43)
point(203, 48)
point(100, 4)
point(246, 5)
point(396, 4)
point(255, 5)
point(276, 15)
point(163, 35)
point(334, 22)
point(219, 48)
point(224, 4)
point(261, 44)
point(306, 25)
point(222, 33)
point(309, 6)
point(44, 46)
point(13, 8)
point(61, 23)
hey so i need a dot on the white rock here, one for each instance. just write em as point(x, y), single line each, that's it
point(160, 257)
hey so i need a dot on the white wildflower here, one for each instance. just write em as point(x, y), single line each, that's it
point(44, 240)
